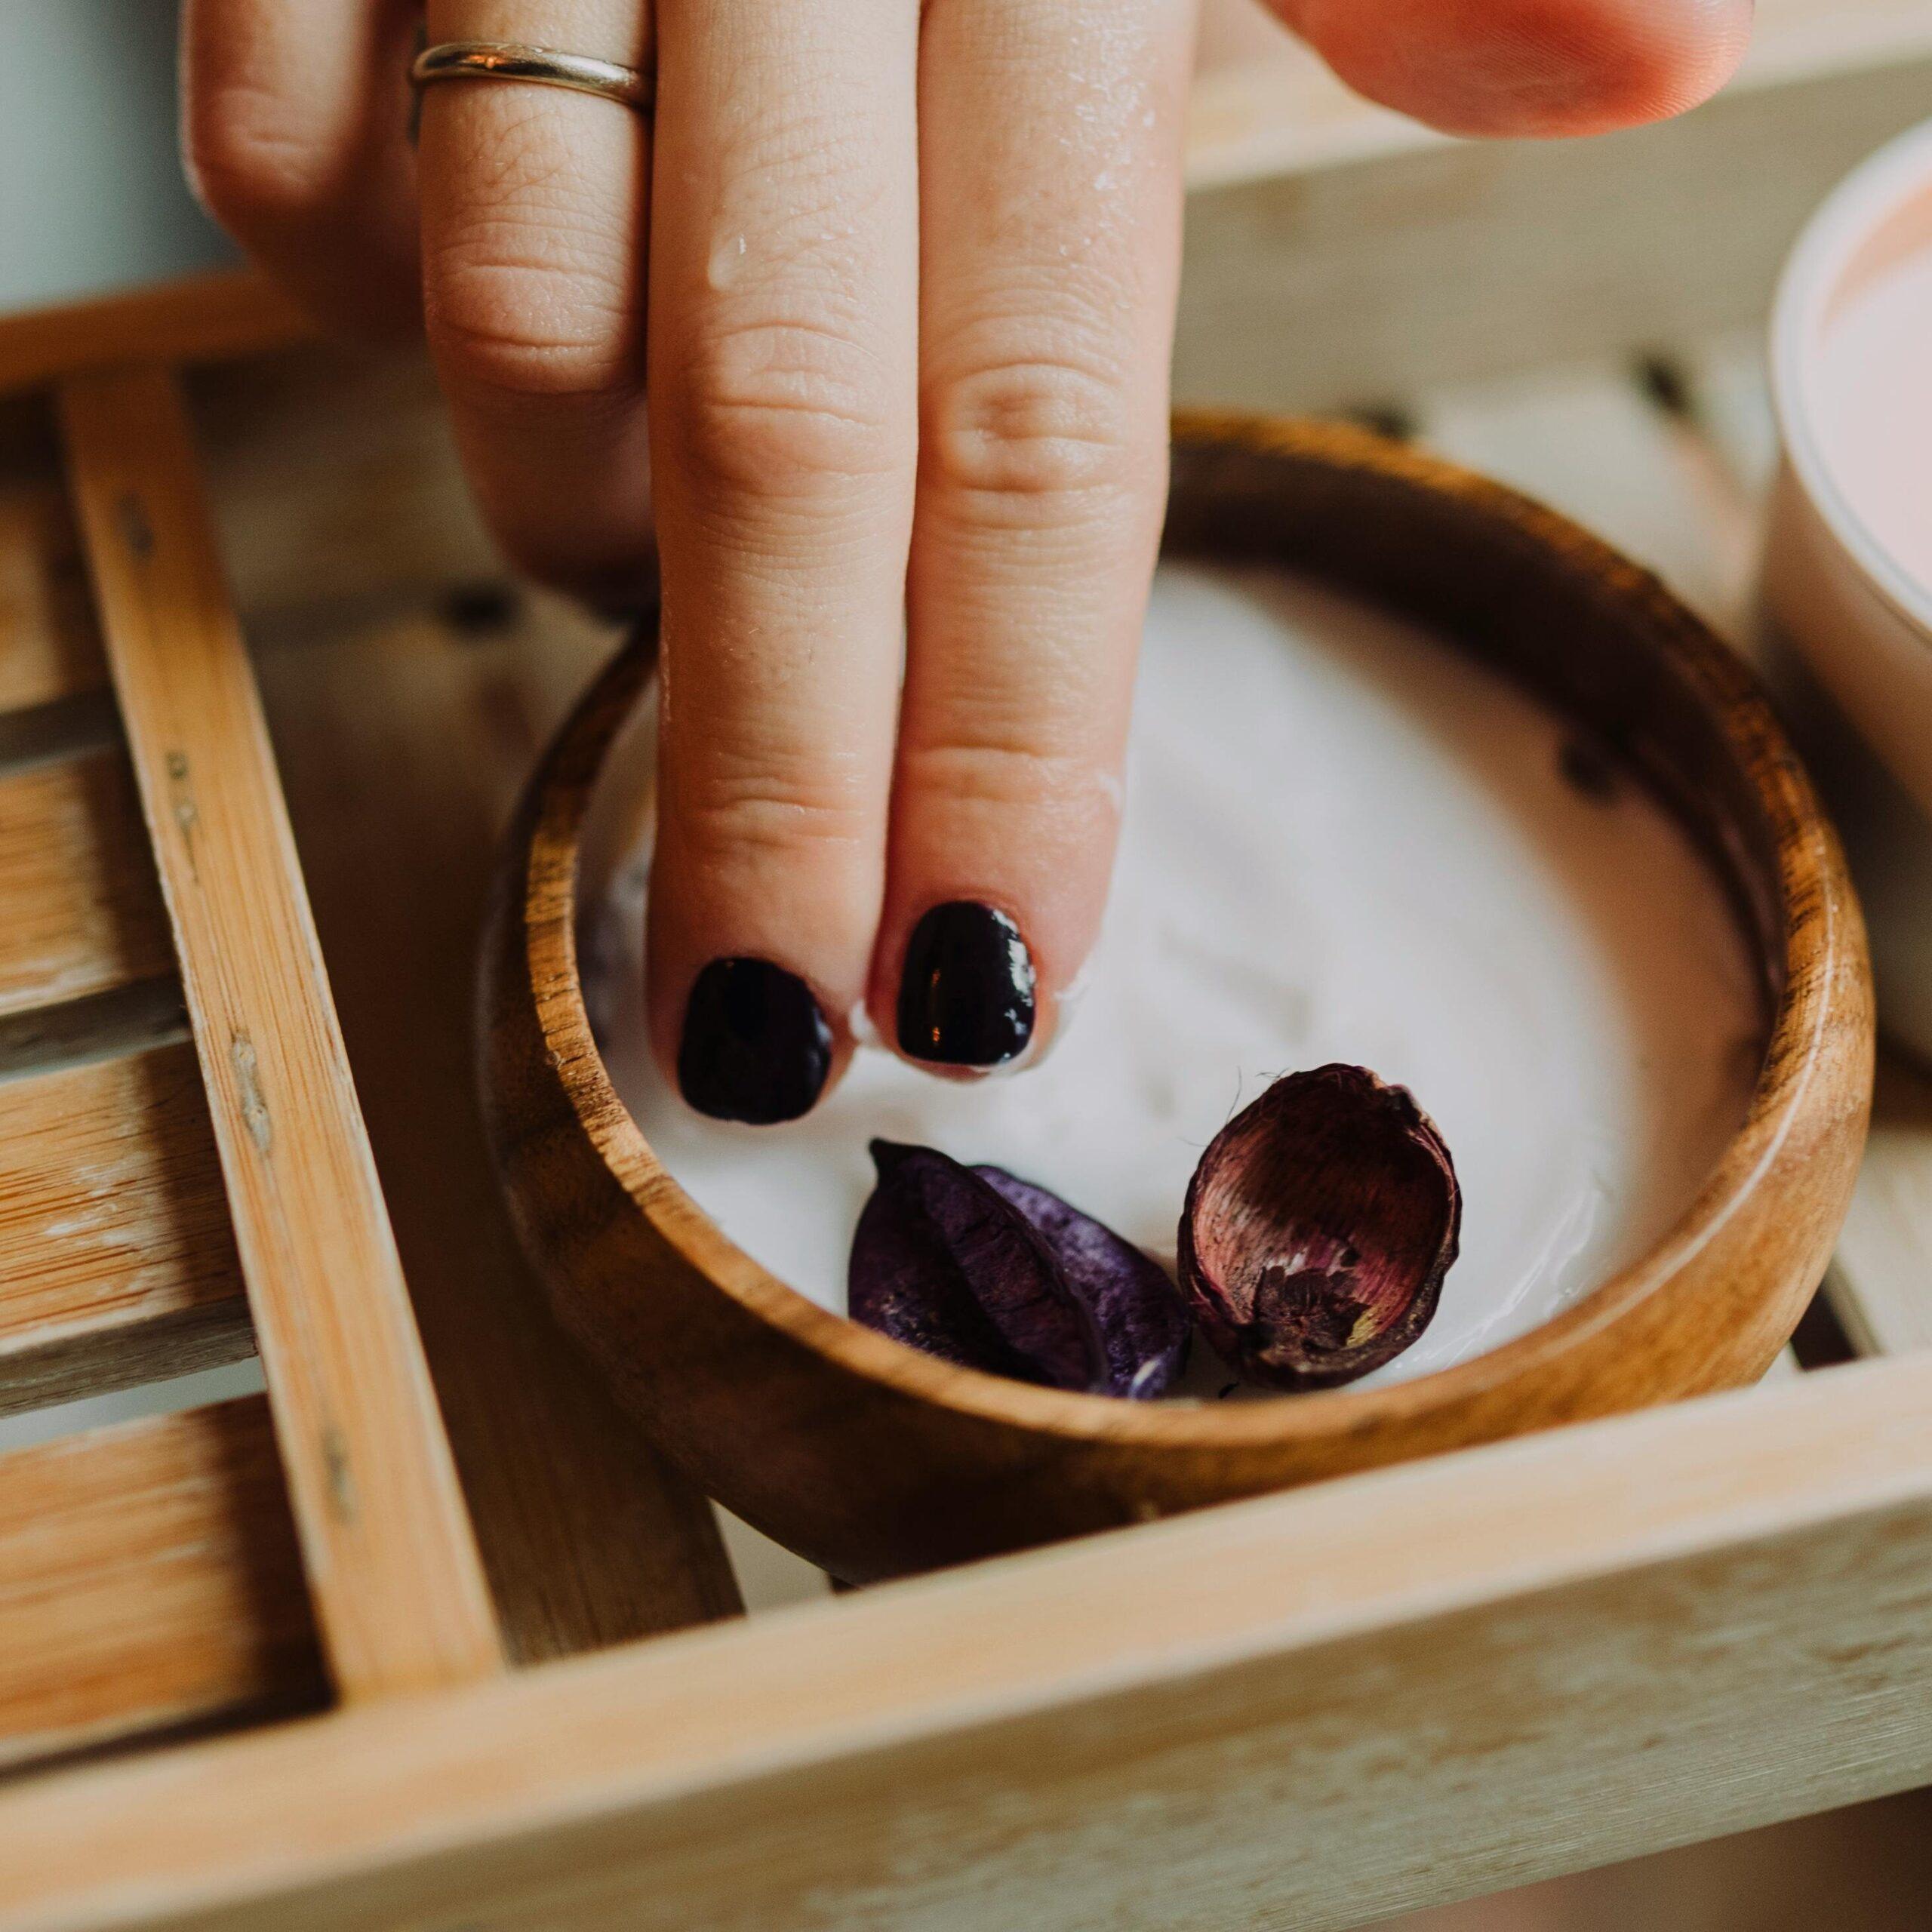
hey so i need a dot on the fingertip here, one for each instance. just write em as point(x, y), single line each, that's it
point(750, 991)
point(754, 1044)
point(1530, 68)
point(967, 996)
point(970, 983)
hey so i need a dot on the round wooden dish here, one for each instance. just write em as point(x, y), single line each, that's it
point(871, 1460)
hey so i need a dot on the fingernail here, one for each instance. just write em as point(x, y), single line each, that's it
point(755, 1047)
point(966, 996)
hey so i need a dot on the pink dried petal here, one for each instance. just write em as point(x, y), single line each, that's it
point(1318, 1227)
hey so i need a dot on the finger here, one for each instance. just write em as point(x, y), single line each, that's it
point(1047, 295)
point(1529, 67)
point(783, 354)
point(295, 135)
point(535, 205)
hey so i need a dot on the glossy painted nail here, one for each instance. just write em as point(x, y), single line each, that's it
point(966, 992)
point(755, 1047)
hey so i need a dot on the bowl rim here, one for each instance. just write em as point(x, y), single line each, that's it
point(1811, 278)
point(1816, 909)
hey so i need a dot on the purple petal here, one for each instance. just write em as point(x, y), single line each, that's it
point(941, 1261)
point(1144, 1324)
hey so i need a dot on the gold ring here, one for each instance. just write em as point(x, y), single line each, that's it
point(505, 60)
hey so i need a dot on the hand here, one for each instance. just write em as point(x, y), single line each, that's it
point(912, 275)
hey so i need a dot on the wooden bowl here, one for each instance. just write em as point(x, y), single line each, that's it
point(871, 1460)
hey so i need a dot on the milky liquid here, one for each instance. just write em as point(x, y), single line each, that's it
point(1341, 842)
point(1872, 404)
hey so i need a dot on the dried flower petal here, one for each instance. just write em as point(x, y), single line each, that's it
point(988, 1270)
point(1318, 1227)
point(1144, 1324)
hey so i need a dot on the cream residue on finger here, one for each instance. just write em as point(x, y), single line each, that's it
point(1342, 841)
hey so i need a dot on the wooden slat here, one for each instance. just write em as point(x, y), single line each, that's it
point(77, 879)
point(1344, 272)
point(149, 1580)
point(594, 1540)
point(49, 648)
point(1307, 1711)
point(1880, 1282)
point(117, 1262)
point(398, 1589)
point(98, 1026)
point(1731, 395)
point(198, 319)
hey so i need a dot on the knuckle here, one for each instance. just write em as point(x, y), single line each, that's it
point(528, 324)
point(1034, 435)
point(248, 164)
point(1035, 784)
point(531, 284)
point(790, 408)
point(767, 812)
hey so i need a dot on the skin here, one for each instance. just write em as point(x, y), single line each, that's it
point(904, 279)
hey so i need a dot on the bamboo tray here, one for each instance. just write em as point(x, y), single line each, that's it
point(406, 1645)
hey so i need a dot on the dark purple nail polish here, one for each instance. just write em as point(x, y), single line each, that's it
point(755, 1047)
point(966, 995)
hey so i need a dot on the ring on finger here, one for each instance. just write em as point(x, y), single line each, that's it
point(544, 66)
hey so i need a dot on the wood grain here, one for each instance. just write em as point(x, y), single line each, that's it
point(871, 1459)
point(117, 1262)
point(594, 1539)
point(197, 318)
point(49, 647)
point(149, 1581)
point(398, 1589)
point(84, 912)
point(1306, 1711)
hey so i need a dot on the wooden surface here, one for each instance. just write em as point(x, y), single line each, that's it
point(1301, 1712)
point(873, 1460)
point(84, 912)
point(587, 1536)
point(117, 1262)
point(398, 1590)
point(148, 1582)
point(1336, 254)
point(49, 649)
point(204, 317)
point(337, 495)
point(1880, 1283)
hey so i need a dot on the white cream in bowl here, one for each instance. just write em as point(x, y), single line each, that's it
point(1342, 841)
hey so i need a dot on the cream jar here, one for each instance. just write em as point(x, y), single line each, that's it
point(1848, 575)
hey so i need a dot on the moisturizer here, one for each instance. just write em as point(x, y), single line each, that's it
point(1341, 842)
point(1871, 398)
